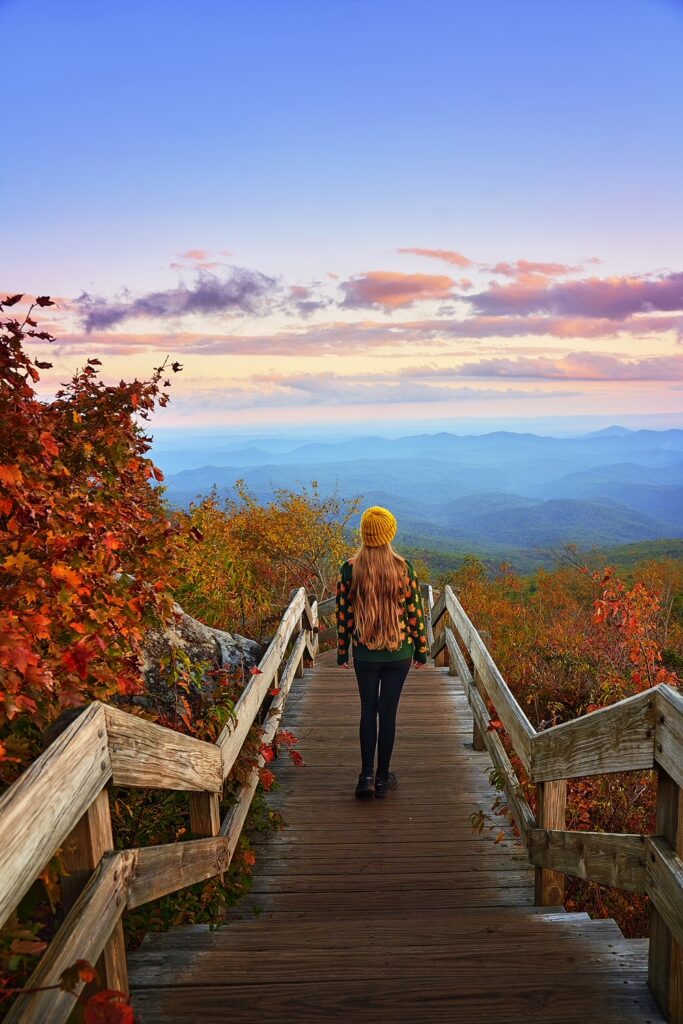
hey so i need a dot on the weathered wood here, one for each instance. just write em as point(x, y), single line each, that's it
point(299, 667)
point(477, 738)
point(231, 739)
point(205, 814)
point(458, 658)
point(439, 650)
point(428, 604)
point(551, 802)
point(521, 812)
point(144, 754)
point(287, 675)
point(160, 870)
point(664, 886)
point(391, 910)
point(82, 851)
point(517, 725)
point(86, 929)
point(617, 860)
point(438, 608)
point(669, 732)
point(44, 805)
point(613, 739)
point(327, 607)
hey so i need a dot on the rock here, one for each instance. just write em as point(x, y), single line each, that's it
point(200, 643)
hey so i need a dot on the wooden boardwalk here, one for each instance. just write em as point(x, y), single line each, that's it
point(390, 910)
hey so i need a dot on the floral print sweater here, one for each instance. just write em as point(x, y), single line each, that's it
point(413, 632)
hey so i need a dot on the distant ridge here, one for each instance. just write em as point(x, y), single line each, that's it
point(613, 431)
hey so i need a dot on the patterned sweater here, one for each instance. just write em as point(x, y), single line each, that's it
point(413, 633)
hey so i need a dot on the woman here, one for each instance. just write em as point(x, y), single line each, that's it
point(379, 612)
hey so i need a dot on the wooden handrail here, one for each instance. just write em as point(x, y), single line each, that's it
point(640, 732)
point(57, 793)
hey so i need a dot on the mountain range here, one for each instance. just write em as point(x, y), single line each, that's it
point(492, 492)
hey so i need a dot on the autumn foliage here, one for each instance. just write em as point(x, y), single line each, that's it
point(84, 540)
point(569, 642)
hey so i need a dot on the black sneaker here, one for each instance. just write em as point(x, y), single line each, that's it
point(365, 787)
point(385, 785)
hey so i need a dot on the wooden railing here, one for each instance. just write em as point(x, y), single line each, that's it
point(645, 731)
point(62, 802)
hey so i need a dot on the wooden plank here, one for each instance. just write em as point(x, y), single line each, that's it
point(205, 814)
point(613, 739)
point(232, 738)
point(664, 886)
point(327, 607)
point(81, 853)
point(517, 725)
point(664, 883)
point(551, 802)
point(147, 755)
point(438, 608)
point(86, 929)
point(44, 805)
point(521, 812)
point(428, 604)
point(669, 732)
point(617, 860)
point(163, 869)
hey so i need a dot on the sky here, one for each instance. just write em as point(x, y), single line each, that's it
point(373, 212)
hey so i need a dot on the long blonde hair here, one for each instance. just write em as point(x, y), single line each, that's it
point(378, 588)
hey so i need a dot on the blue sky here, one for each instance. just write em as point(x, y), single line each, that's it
point(308, 143)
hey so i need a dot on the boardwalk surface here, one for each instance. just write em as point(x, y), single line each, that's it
point(390, 910)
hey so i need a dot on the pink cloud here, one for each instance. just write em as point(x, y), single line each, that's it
point(446, 255)
point(579, 366)
point(612, 298)
point(393, 290)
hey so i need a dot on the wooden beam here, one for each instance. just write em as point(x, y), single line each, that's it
point(614, 739)
point(232, 738)
point(44, 805)
point(477, 738)
point(617, 860)
point(517, 725)
point(669, 732)
point(82, 851)
point(439, 607)
point(205, 814)
point(327, 607)
point(551, 802)
point(83, 935)
point(427, 594)
point(521, 812)
point(664, 886)
point(144, 754)
point(160, 870)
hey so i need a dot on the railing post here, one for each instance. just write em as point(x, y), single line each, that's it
point(299, 670)
point(442, 659)
point(477, 738)
point(81, 853)
point(428, 603)
point(551, 802)
point(205, 814)
point(665, 967)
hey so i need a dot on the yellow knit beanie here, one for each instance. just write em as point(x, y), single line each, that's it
point(377, 526)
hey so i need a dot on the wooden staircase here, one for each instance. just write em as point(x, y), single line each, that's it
point(391, 910)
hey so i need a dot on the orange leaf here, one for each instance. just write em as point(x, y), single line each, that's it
point(109, 1007)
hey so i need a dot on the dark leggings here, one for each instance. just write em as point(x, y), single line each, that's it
point(379, 684)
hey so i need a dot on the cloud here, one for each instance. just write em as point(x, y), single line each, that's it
point(242, 291)
point(392, 290)
point(611, 298)
point(579, 366)
point(446, 255)
point(274, 390)
point(199, 258)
